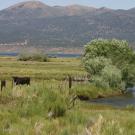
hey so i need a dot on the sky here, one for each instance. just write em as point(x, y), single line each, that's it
point(114, 4)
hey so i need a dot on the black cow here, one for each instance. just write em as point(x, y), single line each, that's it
point(3, 84)
point(21, 80)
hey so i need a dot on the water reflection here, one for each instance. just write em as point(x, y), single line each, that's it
point(119, 101)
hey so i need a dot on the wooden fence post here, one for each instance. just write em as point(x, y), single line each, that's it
point(3, 84)
point(70, 81)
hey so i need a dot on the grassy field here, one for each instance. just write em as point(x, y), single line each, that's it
point(54, 69)
point(44, 107)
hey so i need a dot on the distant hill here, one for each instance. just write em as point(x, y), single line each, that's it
point(67, 26)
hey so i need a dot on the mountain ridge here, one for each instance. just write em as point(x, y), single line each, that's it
point(64, 26)
point(28, 4)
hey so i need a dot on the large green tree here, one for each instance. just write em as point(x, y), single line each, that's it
point(110, 62)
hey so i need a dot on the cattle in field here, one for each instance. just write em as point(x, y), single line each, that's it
point(21, 80)
point(3, 84)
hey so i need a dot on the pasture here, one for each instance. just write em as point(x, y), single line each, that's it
point(44, 107)
point(56, 68)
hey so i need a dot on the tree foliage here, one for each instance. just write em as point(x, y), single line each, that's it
point(95, 65)
point(109, 62)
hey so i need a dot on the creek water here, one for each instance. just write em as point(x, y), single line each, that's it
point(118, 101)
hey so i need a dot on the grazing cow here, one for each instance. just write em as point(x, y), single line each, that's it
point(21, 80)
point(3, 84)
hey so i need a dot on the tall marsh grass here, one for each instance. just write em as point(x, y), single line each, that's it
point(41, 109)
point(91, 91)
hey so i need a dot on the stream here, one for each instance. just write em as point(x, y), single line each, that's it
point(118, 101)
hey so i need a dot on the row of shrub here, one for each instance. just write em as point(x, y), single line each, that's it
point(41, 57)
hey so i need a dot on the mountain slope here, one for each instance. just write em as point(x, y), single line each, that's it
point(69, 26)
point(37, 9)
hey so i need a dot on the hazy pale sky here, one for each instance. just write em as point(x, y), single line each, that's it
point(115, 4)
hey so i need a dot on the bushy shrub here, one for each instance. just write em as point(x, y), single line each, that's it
point(128, 73)
point(95, 65)
point(117, 50)
point(112, 75)
point(100, 82)
point(33, 57)
point(106, 61)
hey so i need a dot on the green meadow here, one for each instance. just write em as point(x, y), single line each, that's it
point(46, 108)
point(56, 68)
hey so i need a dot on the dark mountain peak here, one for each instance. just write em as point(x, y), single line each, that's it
point(28, 5)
